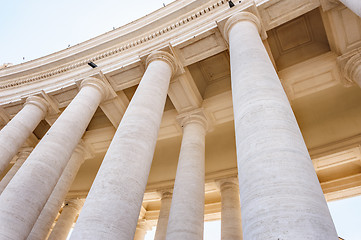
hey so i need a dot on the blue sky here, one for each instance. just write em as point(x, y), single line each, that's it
point(32, 29)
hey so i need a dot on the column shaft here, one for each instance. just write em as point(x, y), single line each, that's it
point(280, 194)
point(25, 196)
point(140, 231)
point(15, 133)
point(66, 219)
point(186, 218)
point(23, 155)
point(113, 204)
point(162, 224)
point(353, 5)
point(47, 216)
point(231, 227)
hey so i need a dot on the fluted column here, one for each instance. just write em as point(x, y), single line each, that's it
point(47, 216)
point(112, 207)
point(162, 223)
point(141, 230)
point(353, 5)
point(15, 133)
point(186, 218)
point(23, 155)
point(281, 197)
point(66, 219)
point(25, 196)
point(231, 226)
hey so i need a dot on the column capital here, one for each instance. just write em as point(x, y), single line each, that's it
point(24, 152)
point(238, 17)
point(26, 149)
point(350, 66)
point(39, 102)
point(165, 192)
point(98, 84)
point(143, 224)
point(226, 182)
point(80, 149)
point(195, 116)
point(162, 56)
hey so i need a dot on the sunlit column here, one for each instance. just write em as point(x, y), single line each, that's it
point(162, 223)
point(25, 196)
point(15, 133)
point(115, 198)
point(186, 218)
point(274, 168)
point(67, 217)
point(47, 216)
point(141, 230)
point(22, 156)
point(231, 226)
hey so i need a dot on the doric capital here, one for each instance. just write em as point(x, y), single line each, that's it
point(350, 66)
point(165, 193)
point(39, 102)
point(238, 17)
point(98, 84)
point(24, 152)
point(80, 149)
point(162, 56)
point(227, 182)
point(195, 116)
point(143, 224)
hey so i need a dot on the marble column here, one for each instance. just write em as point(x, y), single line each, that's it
point(162, 223)
point(353, 5)
point(66, 219)
point(231, 226)
point(141, 230)
point(186, 218)
point(23, 155)
point(112, 207)
point(280, 194)
point(15, 133)
point(47, 216)
point(25, 196)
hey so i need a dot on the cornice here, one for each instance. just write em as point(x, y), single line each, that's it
point(113, 51)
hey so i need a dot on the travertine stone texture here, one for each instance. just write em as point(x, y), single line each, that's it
point(23, 155)
point(274, 168)
point(231, 227)
point(353, 5)
point(15, 133)
point(66, 219)
point(162, 223)
point(50, 211)
point(186, 218)
point(113, 204)
point(141, 230)
point(36, 179)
